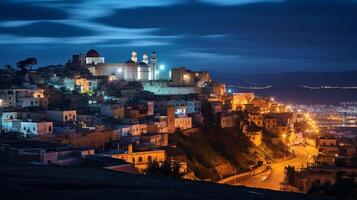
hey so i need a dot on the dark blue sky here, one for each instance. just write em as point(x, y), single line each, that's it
point(218, 35)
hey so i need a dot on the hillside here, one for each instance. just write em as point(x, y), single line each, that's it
point(213, 155)
point(50, 182)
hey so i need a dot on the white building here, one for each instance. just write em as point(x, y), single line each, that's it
point(130, 70)
point(94, 58)
point(9, 121)
point(36, 128)
point(61, 115)
point(182, 107)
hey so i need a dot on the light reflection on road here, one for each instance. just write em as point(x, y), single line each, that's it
point(272, 178)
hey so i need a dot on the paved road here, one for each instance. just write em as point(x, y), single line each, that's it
point(272, 179)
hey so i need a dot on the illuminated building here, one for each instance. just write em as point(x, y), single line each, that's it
point(22, 97)
point(257, 119)
point(131, 70)
point(270, 123)
point(181, 76)
point(83, 85)
point(140, 159)
point(165, 88)
point(239, 99)
point(214, 89)
point(93, 57)
point(183, 123)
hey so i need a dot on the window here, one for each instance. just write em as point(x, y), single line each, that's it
point(49, 128)
point(140, 159)
point(149, 158)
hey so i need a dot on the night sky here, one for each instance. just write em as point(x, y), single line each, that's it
point(218, 35)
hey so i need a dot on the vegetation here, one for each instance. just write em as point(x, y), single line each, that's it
point(214, 153)
point(290, 175)
point(344, 188)
point(27, 64)
point(168, 168)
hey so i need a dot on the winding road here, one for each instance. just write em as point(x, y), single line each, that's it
point(272, 178)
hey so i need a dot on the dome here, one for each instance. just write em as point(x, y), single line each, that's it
point(93, 53)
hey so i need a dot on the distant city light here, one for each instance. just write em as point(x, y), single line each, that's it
point(229, 90)
point(120, 70)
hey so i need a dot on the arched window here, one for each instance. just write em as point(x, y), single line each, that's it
point(133, 160)
point(149, 159)
point(140, 159)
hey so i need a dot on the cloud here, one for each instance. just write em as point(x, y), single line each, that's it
point(256, 34)
point(14, 11)
point(46, 29)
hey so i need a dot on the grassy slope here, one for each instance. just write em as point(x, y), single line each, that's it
point(215, 155)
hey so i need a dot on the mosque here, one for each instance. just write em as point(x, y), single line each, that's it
point(131, 70)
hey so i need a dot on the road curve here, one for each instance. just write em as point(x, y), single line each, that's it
point(272, 179)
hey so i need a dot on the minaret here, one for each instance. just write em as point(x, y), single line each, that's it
point(145, 58)
point(153, 64)
point(134, 56)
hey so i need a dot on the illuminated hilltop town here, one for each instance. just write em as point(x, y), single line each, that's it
point(136, 115)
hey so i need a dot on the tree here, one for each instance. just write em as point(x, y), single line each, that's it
point(27, 64)
point(210, 120)
point(290, 175)
point(168, 168)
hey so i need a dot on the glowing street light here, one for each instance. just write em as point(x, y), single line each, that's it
point(162, 67)
point(284, 136)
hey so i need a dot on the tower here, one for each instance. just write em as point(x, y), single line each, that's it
point(134, 56)
point(170, 113)
point(145, 58)
point(153, 64)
